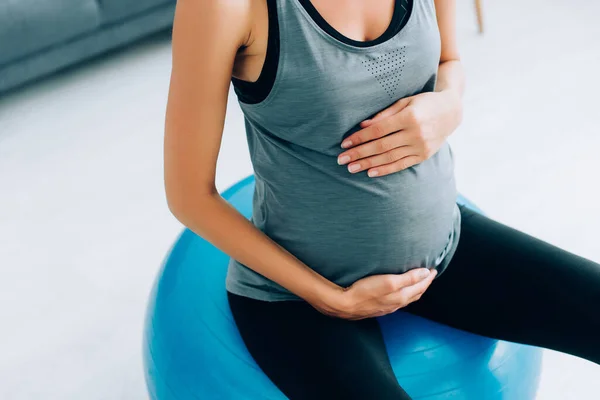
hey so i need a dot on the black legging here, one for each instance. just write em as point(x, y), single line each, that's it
point(501, 283)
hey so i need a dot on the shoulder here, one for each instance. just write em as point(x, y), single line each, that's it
point(218, 19)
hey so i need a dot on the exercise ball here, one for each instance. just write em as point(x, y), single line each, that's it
point(193, 350)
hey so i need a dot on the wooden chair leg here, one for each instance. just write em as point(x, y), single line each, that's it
point(479, 10)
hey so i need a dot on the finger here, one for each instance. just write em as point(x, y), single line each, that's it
point(404, 295)
point(393, 109)
point(359, 317)
point(401, 120)
point(378, 129)
point(391, 310)
point(431, 277)
point(382, 160)
point(374, 147)
point(380, 314)
point(396, 166)
point(418, 296)
point(396, 282)
point(418, 289)
point(377, 160)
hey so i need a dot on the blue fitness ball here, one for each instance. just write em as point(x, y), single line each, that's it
point(193, 350)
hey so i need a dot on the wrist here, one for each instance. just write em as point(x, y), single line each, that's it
point(453, 95)
point(329, 296)
point(454, 100)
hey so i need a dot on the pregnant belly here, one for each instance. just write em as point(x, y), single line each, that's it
point(347, 232)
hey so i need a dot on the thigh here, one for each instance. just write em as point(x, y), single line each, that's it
point(309, 355)
point(506, 284)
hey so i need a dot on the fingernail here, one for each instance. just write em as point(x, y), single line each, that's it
point(346, 143)
point(353, 167)
point(424, 273)
point(343, 159)
point(373, 173)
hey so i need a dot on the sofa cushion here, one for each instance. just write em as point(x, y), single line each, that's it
point(27, 26)
point(113, 10)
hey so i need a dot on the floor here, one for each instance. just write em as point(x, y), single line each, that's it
point(84, 223)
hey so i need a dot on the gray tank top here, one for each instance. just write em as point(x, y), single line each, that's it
point(345, 226)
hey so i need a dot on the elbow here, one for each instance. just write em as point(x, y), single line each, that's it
point(186, 192)
point(177, 200)
point(177, 208)
point(182, 203)
point(451, 58)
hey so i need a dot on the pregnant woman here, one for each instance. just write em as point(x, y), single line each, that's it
point(343, 233)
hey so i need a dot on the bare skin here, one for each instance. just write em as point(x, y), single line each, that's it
point(213, 41)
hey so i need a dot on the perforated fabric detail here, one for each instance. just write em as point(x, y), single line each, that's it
point(387, 69)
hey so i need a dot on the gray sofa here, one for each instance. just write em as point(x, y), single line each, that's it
point(38, 37)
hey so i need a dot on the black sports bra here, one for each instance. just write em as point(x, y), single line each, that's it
point(255, 92)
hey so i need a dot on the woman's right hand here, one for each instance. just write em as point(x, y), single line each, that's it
point(379, 295)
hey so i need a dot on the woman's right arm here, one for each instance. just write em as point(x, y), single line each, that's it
point(206, 38)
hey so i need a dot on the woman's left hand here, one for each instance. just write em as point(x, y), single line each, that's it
point(408, 132)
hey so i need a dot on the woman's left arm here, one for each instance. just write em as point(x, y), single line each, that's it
point(414, 128)
point(451, 76)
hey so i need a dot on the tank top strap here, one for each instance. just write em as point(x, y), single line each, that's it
point(294, 25)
